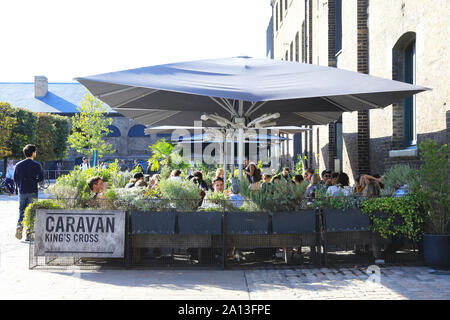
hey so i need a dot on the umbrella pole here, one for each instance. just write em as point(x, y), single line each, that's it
point(232, 154)
point(240, 150)
point(225, 160)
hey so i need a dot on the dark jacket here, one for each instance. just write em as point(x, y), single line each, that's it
point(27, 175)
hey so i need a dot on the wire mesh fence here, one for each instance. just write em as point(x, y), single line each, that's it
point(184, 233)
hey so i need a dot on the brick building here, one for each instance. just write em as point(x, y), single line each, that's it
point(400, 40)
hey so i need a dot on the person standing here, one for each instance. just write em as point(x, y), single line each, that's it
point(27, 175)
point(9, 183)
point(85, 164)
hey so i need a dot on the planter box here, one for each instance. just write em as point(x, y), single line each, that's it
point(246, 223)
point(153, 222)
point(345, 220)
point(294, 222)
point(200, 223)
point(436, 250)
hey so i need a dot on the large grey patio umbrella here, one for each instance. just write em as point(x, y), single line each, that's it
point(244, 92)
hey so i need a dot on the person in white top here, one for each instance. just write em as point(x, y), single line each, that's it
point(84, 165)
point(9, 183)
point(341, 188)
point(176, 175)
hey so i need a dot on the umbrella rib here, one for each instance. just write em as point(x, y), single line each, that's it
point(225, 107)
point(336, 104)
point(149, 113)
point(253, 109)
point(364, 101)
point(114, 92)
point(135, 98)
point(308, 117)
point(164, 118)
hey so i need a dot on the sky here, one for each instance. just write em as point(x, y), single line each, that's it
point(66, 39)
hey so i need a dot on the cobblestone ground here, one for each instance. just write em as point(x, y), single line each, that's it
point(18, 282)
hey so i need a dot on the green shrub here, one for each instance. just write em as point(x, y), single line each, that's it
point(184, 195)
point(276, 197)
point(431, 187)
point(395, 177)
point(401, 216)
point(30, 211)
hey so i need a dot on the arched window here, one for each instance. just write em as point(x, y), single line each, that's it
point(404, 69)
point(137, 131)
point(113, 131)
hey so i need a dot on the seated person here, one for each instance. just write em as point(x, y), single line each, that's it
point(308, 174)
point(286, 174)
point(97, 186)
point(276, 179)
point(313, 186)
point(326, 179)
point(176, 175)
point(140, 183)
point(298, 179)
point(371, 190)
point(342, 187)
point(136, 177)
point(218, 184)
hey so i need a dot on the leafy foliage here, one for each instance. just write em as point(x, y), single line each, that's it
point(184, 195)
point(430, 184)
point(90, 127)
point(395, 177)
point(23, 132)
point(30, 211)
point(73, 187)
point(392, 216)
point(281, 196)
point(161, 151)
point(7, 122)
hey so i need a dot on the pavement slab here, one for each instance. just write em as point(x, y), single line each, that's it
point(17, 281)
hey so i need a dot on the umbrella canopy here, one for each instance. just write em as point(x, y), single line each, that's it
point(242, 93)
point(200, 138)
point(264, 85)
point(171, 129)
point(152, 117)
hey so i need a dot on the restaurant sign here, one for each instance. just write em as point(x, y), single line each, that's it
point(80, 233)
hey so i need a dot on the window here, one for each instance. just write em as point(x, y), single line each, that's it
point(338, 27)
point(410, 102)
point(291, 52)
point(137, 131)
point(297, 48)
point(281, 10)
point(113, 131)
point(303, 42)
point(276, 17)
point(287, 54)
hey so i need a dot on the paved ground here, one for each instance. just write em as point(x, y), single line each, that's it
point(18, 282)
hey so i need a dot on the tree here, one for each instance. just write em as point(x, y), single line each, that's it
point(45, 137)
point(23, 132)
point(62, 132)
point(7, 122)
point(89, 127)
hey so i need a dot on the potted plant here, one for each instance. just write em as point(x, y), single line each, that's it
point(431, 187)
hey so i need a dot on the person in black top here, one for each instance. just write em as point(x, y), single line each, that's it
point(27, 175)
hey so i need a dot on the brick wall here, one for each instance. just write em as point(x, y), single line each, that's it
point(363, 67)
